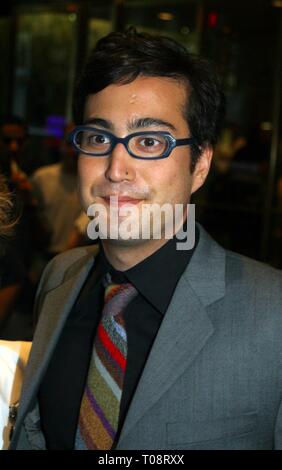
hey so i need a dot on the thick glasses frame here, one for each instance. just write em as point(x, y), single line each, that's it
point(172, 142)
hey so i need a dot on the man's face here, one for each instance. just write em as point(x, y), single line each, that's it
point(120, 109)
point(13, 137)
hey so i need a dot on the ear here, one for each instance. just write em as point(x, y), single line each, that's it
point(201, 169)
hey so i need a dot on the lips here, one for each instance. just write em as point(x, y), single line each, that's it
point(120, 200)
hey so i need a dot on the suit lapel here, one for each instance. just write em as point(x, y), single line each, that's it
point(55, 309)
point(185, 329)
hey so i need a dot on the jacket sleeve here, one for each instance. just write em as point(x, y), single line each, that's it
point(278, 429)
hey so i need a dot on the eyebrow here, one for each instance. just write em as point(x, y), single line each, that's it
point(149, 122)
point(139, 123)
point(100, 122)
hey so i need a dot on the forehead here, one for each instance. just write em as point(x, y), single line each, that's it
point(13, 130)
point(158, 97)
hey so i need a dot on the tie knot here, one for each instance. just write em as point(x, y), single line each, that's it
point(117, 296)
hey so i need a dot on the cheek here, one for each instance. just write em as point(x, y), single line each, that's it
point(84, 165)
point(87, 178)
point(174, 180)
point(87, 169)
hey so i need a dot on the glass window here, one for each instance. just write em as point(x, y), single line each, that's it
point(176, 19)
point(44, 65)
point(100, 21)
point(98, 27)
point(240, 39)
point(5, 63)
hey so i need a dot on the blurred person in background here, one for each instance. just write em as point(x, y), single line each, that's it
point(55, 190)
point(13, 354)
point(13, 138)
point(7, 221)
point(11, 269)
point(6, 217)
point(17, 263)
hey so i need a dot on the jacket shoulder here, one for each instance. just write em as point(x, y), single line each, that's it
point(259, 276)
point(64, 265)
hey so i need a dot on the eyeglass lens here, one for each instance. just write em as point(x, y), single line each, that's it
point(98, 143)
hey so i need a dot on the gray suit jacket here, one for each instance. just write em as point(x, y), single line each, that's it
point(213, 379)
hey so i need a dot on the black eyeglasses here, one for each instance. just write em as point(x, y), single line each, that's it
point(144, 145)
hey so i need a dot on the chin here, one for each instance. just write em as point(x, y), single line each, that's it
point(123, 243)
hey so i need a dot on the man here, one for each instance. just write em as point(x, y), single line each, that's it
point(55, 190)
point(13, 138)
point(184, 351)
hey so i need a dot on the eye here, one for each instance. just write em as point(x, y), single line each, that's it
point(98, 139)
point(149, 142)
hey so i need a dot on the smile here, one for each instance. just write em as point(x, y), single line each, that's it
point(119, 201)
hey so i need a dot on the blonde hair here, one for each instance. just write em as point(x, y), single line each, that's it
point(7, 219)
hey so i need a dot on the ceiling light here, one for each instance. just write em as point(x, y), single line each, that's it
point(165, 16)
point(266, 126)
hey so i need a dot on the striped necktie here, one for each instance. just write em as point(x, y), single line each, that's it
point(100, 406)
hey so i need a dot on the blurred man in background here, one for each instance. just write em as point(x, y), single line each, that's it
point(13, 138)
point(55, 190)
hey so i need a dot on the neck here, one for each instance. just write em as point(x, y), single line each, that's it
point(123, 257)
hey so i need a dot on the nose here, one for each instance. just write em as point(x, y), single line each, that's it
point(120, 165)
point(14, 145)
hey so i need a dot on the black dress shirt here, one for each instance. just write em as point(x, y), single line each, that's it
point(62, 387)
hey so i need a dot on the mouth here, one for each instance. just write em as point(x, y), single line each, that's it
point(119, 201)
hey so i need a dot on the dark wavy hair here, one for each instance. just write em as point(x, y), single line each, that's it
point(119, 58)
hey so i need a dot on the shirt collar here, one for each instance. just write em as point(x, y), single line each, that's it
point(156, 276)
